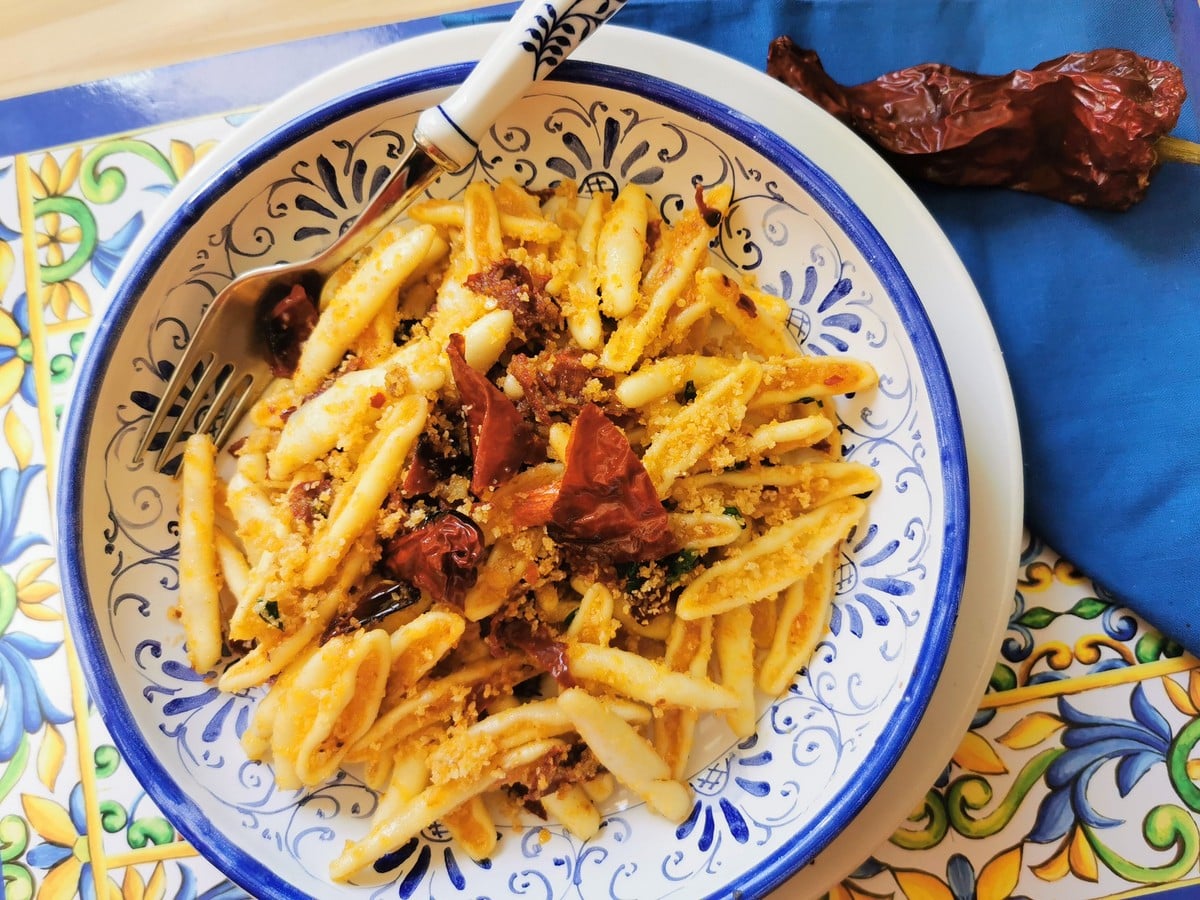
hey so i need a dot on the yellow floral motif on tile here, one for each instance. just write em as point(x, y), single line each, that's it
point(1074, 856)
point(997, 880)
point(1031, 730)
point(14, 345)
point(67, 234)
point(134, 887)
point(32, 592)
point(1187, 701)
point(64, 226)
point(52, 823)
point(975, 754)
point(51, 755)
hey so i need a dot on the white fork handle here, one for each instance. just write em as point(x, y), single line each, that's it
point(540, 35)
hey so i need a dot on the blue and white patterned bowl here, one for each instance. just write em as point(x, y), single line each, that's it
point(763, 807)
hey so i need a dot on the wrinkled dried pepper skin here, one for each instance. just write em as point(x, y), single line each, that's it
point(1080, 128)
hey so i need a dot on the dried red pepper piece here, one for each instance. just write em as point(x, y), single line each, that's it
point(441, 557)
point(285, 327)
point(307, 499)
point(376, 604)
point(1081, 128)
point(500, 436)
point(423, 473)
point(535, 313)
point(606, 502)
point(536, 640)
point(532, 508)
point(552, 382)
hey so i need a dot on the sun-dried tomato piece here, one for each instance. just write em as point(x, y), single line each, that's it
point(500, 436)
point(1084, 128)
point(576, 764)
point(285, 327)
point(535, 313)
point(424, 470)
point(536, 641)
point(309, 499)
point(441, 557)
point(533, 507)
point(553, 382)
point(606, 502)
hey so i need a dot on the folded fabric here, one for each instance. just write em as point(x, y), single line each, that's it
point(1098, 313)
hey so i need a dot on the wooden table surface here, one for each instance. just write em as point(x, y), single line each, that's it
point(50, 45)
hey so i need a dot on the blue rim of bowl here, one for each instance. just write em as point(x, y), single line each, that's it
point(234, 861)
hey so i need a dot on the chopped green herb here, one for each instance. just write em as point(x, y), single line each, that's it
point(689, 392)
point(736, 513)
point(269, 612)
point(680, 564)
point(629, 572)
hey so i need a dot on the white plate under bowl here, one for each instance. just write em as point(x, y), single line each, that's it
point(764, 807)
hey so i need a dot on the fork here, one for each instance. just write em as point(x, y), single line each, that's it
point(227, 353)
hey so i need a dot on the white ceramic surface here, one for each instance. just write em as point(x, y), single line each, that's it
point(731, 839)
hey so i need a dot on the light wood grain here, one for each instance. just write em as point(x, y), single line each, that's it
point(45, 45)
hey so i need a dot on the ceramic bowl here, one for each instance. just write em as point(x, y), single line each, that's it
point(295, 175)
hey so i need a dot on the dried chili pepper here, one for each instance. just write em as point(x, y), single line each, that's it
point(605, 500)
point(375, 605)
point(309, 499)
point(536, 640)
point(536, 315)
point(1085, 128)
point(500, 436)
point(285, 325)
point(440, 558)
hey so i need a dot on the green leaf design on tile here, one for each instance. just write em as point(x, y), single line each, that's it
point(61, 367)
point(14, 768)
point(1153, 646)
point(14, 841)
point(1003, 678)
point(75, 209)
point(106, 759)
point(1038, 617)
point(18, 882)
point(1166, 827)
point(1178, 755)
point(113, 816)
point(1088, 608)
point(14, 837)
point(936, 823)
point(107, 185)
point(151, 830)
point(970, 793)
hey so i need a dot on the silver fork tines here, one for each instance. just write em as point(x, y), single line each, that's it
point(228, 352)
point(227, 367)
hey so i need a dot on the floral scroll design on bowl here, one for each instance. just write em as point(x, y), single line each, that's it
point(773, 232)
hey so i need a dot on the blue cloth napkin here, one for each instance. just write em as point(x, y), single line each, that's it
point(1098, 314)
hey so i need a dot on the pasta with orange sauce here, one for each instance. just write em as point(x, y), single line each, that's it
point(544, 487)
